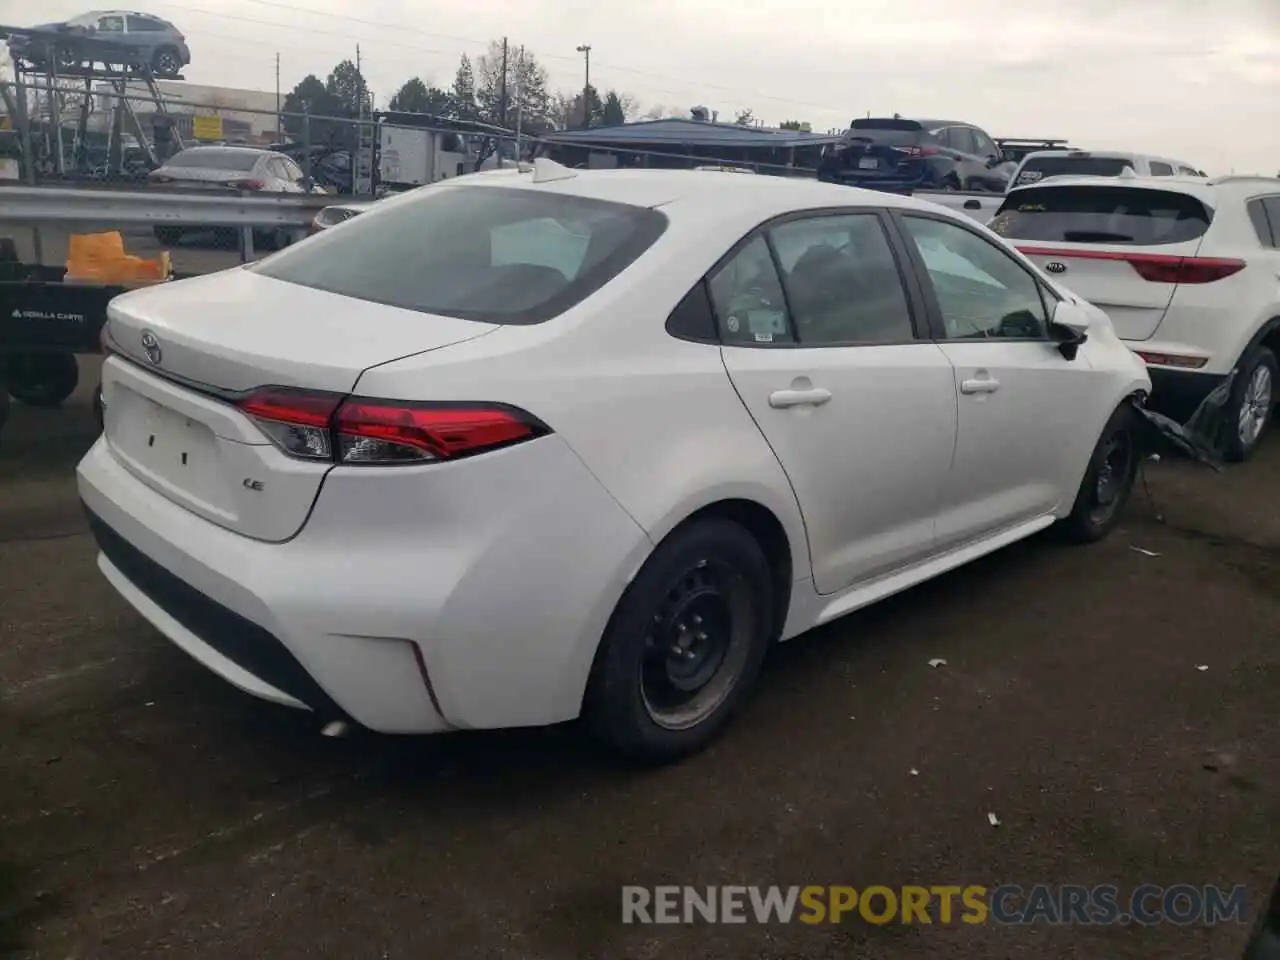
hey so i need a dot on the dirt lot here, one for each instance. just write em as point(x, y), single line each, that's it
point(147, 808)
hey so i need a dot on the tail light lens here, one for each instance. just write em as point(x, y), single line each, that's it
point(1155, 267)
point(247, 184)
point(915, 151)
point(361, 431)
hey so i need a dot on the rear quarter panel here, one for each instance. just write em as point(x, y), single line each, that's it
point(654, 418)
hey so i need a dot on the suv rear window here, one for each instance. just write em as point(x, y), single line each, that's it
point(492, 254)
point(1101, 214)
point(1038, 168)
point(891, 132)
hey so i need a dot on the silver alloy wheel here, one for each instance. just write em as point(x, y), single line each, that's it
point(1255, 405)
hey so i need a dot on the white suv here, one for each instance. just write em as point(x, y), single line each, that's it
point(1044, 164)
point(1188, 269)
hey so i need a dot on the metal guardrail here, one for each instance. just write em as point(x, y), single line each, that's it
point(41, 205)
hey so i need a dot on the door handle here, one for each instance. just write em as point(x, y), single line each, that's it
point(979, 386)
point(813, 397)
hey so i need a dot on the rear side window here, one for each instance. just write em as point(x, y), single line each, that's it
point(492, 254)
point(146, 25)
point(1265, 215)
point(1101, 214)
point(1037, 168)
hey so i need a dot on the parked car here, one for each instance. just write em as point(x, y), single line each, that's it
point(905, 155)
point(338, 213)
point(234, 168)
point(1185, 267)
point(504, 451)
point(1096, 163)
point(148, 39)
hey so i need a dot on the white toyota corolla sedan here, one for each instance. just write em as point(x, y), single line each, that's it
point(507, 451)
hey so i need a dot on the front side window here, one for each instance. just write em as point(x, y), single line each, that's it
point(1159, 169)
point(111, 24)
point(981, 291)
point(492, 254)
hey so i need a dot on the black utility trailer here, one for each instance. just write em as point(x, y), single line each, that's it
point(45, 321)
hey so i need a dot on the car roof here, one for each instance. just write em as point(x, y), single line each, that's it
point(1197, 187)
point(656, 188)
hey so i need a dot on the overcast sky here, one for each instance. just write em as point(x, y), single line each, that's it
point(1196, 80)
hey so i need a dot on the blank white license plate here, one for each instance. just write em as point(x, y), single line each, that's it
point(868, 163)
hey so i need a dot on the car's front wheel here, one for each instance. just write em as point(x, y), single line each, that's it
point(1107, 482)
point(684, 645)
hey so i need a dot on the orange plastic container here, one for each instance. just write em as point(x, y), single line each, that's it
point(101, 258)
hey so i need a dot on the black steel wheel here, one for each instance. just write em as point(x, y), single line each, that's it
point(1107, 482)
point(42, 379)
point(684, 645)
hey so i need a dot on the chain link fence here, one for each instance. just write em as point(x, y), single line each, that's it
point(128, 136)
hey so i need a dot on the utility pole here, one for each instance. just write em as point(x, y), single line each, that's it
point(279, 117)
point(519, 99)
point(585, 50)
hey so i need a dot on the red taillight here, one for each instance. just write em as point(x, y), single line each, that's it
point(248, 184)
point(914, 151)
point(365, 431)
point(1156, 267)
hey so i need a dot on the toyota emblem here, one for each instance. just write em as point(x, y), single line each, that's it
point(1056, 266)
point(151, 346)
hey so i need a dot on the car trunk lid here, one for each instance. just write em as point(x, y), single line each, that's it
point(188, 351)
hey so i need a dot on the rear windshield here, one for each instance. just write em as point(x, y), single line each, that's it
point(493, 254)
point(1101, 214)
point(241, 161)
point(1040, 167)
point(891, 132)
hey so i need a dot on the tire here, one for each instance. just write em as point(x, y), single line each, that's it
point(170, 236)
point(1107, 482)
point(644, 701)
point(166, 62)
point(1253, 399)
point(950, 183)
point(42, 379)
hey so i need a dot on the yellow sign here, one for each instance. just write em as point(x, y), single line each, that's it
point(206, 128)
point(5, 123)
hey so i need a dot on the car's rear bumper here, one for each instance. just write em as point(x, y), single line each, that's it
point(415, 600)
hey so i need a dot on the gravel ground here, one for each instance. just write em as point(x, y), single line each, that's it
point(147, 808)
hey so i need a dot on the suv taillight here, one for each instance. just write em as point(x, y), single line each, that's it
point(362, 431)
point(251, 184)
point(1155, 267)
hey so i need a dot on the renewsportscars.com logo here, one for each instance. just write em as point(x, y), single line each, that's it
point(1010, 905)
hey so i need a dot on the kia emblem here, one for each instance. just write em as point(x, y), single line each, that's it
point(151, 346)
point(1056, 266)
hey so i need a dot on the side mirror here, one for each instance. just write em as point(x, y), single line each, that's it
point(993, 162)
point(1069, 326)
